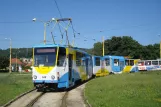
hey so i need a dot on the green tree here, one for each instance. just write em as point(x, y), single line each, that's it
point(127, 46)
point(4, 62)
point(123, 46)
point(130, 47)
point(151, 51)
point(97, 49)
point(112, 46)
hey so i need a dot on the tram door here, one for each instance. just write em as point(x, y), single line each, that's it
point(70, 62)
point(121, 65)
point(107, 64)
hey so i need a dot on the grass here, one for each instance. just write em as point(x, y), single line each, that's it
point(142, 89)
point(12, 85)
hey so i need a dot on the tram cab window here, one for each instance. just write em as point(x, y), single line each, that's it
point(116, 62)
point(45, 56)
point(61, 57)
point(97, 61)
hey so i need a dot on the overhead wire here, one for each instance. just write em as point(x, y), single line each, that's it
point(10, 22)
point(62, 17)
point(58, 8)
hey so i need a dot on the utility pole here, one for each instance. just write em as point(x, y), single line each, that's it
point(10, 56)
point(10, 67)
point(16, 61)
point(160, 49)
point(103, 46)
point(45, 33)
point(45, 24)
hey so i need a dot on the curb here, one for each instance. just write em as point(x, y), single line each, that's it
point(11, 101)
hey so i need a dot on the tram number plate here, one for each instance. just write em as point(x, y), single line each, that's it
point(43, 76)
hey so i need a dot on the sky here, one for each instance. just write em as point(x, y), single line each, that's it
point(91, 19)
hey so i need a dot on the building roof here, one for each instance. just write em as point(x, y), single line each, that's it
point(29, 64)
point(15, 60)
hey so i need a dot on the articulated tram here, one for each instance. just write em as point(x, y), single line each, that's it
point(60, 66)
point(57, 66)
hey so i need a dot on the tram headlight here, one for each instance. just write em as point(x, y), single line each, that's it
point(52, 77)
point(35, 77)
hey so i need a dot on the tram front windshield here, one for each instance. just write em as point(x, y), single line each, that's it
point(45, 56)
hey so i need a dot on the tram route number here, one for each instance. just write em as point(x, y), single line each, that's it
point(43, 76)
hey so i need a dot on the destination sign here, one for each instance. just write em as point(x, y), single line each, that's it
point(45, 50)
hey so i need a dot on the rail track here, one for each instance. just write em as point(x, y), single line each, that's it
point(18, 97)
point(34, 100)
point(24, 99)
point(64, 104)
point(73, 97)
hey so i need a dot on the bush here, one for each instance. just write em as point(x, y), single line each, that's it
point(4, 71)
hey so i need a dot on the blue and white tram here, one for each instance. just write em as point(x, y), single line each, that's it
point(58, 66)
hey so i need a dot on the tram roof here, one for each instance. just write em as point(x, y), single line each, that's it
point(49, 45)
point(58, 45)
point(111, 56)
point(95, 56)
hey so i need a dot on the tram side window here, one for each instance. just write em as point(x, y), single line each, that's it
point(159, 62)
point(83, 63)
point(154, 62)
point(90, 61)
point(147, 62)
point(107, 61)
point(140, 63)
point(131, 62)
point(61, 56)
point(78, 58)
point(97, 61)
point(127, 62)
point(116, 62)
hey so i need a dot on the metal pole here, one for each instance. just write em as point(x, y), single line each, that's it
point(103, 45)
point(10, 70)
point(93, 51)
point(93, 46)
point(44, 33)
point(160, 49)
point(67, 38)
point(16, 61)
